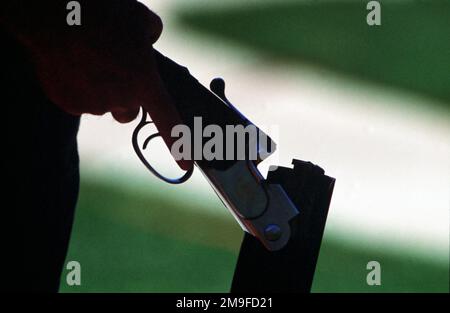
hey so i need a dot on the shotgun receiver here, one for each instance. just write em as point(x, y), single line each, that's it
point(262, 208)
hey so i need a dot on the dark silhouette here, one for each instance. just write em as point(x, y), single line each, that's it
point(51, 74)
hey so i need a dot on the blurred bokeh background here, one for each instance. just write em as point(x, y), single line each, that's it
point(371, 105)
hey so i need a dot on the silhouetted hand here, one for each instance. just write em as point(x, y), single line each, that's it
point(104, 65)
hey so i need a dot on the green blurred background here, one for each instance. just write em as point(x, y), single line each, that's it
point(133, 234)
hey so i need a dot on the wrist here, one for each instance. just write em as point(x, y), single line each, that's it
point(26, 18)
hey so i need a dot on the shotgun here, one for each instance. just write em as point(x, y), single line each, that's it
point(282, 215)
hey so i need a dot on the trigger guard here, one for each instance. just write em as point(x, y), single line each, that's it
point(138, 151)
